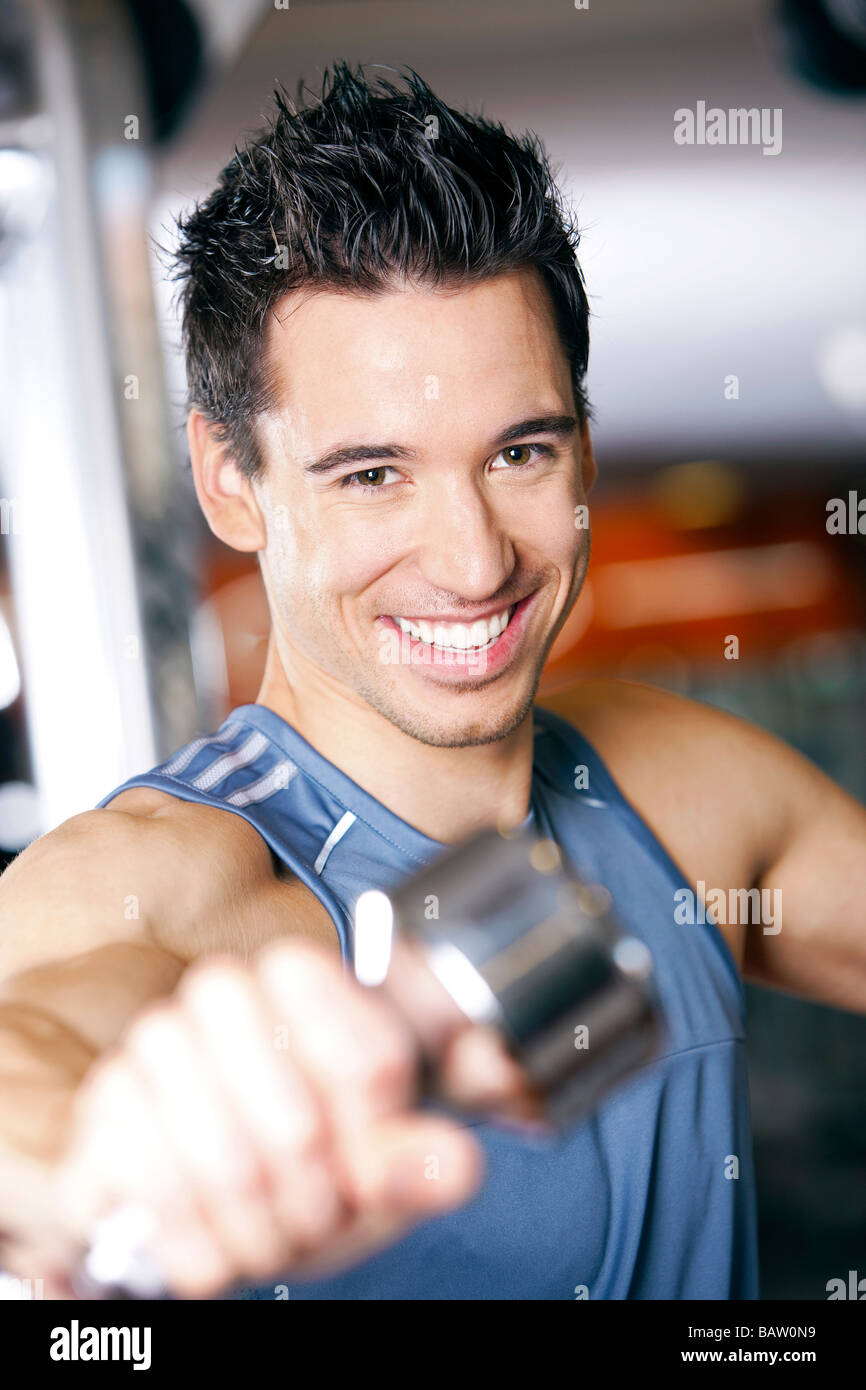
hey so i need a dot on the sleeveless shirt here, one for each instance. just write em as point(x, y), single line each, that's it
point(650, 1197)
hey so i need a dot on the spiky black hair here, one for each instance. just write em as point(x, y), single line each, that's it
point(370, 184)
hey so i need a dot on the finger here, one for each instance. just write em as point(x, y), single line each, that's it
point(421, 997)
point(416, 1167)
point(279, 1110)
point(474, 1066)
point(206, 1141)
point(360, 1056)
point(107, 1162)
point(477, 1071)
point(125, 1156)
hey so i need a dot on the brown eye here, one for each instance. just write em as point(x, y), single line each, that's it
point(369, 478)
point(524, 455)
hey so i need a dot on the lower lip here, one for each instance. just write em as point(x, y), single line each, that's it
point(476, 661)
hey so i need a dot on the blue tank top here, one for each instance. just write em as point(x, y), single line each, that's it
point(653, 1196)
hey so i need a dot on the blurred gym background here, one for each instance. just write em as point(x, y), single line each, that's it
point(727, 372)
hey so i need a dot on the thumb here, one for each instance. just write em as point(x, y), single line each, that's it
point(415, 1166)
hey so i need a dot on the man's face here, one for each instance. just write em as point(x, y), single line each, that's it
point(392, 565)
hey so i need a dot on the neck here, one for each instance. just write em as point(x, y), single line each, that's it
point(446, 793)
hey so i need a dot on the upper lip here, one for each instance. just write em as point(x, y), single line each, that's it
point(461, 617)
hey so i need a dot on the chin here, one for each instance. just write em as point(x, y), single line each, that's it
point(460, 729)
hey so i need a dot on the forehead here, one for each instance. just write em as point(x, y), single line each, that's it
point(336, 355)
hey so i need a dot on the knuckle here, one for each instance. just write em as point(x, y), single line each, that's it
point(156, 1024)
point(207, 981)
point(290, 963)
point(99, 1089)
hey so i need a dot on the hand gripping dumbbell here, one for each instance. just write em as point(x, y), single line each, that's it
point(519, 943)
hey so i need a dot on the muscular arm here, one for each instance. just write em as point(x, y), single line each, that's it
point(252, 1156)
point(739, 809)
point(818, 872)
point(97, 919)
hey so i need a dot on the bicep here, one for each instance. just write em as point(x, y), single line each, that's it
point(88, 883)
point(818, 879)
point(75, 926)
point(741, 809)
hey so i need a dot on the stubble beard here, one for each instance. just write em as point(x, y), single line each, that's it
point(429, 729)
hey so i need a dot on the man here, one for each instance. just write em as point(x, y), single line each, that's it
point(386, 335)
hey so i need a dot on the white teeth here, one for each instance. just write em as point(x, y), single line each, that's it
point(458, 636)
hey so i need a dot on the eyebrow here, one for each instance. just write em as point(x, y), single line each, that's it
point(562, 426)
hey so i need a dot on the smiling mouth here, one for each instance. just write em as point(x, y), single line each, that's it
point(457, 637)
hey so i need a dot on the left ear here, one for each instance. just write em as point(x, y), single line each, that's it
point(225, 494)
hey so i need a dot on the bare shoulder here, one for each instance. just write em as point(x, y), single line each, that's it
point(712, 786)
point(651, 728)
point(240, 895)
point(151, 868)
point(183, 828)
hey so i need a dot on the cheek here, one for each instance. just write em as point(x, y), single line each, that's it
point(325, 562)
point(297, 565)
point(286, 555)
point(556, 532)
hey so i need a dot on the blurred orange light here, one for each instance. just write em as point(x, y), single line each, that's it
point(687, 588)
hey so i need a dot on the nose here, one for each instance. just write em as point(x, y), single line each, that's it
point(464, 549)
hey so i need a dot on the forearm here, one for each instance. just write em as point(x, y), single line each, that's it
point(42, 1063)
point(56, 1019)
point(54, 1023)
point(95, 993)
